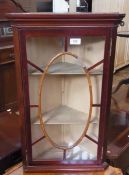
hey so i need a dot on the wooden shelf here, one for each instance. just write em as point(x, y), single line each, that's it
point(66, 68)
point(7, 62)
point(64, 115)
point(86, 150)
point(6, 36)
point(6, 47)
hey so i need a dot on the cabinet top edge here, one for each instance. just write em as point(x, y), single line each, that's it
point(68, 16)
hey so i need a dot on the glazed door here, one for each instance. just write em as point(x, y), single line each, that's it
point(65, 74)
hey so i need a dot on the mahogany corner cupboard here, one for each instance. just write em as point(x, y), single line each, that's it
point(64, 65)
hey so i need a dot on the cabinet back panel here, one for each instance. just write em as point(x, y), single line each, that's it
point(37, 49)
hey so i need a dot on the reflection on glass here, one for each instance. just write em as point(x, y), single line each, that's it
point(43, 150)
point(86, 150)
point(66, 128)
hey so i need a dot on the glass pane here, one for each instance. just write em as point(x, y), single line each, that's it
point(86, 150)
point(65, 81)
point(90, 50)
point(43, 150)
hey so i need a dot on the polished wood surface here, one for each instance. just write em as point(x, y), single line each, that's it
point(118, 133)
point(9, 132)
point(7, 58)
point(8, 78)
point(18, 169)
point(8, 89)
point(10, 145)
point(38, 24)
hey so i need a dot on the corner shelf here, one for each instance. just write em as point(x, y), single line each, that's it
point(62, 68)
point(78, 153)
point(6, 47)
point(64, 115)
point(43, 36)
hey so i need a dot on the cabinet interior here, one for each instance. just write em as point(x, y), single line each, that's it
point(65, 95)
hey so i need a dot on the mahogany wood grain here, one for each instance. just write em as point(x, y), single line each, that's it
point(10, 143)
point(35, 24)
point(18, 169)
point(8, 86)
point(7, 64)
